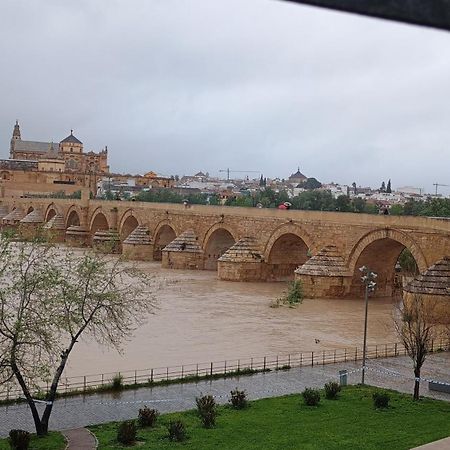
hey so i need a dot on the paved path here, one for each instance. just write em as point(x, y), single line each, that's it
point(80, 439)
point(78, 412)
point(442, 444)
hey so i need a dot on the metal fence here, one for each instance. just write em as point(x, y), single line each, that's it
point(87, 383)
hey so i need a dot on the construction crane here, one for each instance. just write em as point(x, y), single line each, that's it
point(439, 184)
point(228, 171)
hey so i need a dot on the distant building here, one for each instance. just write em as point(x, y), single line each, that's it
point(297, 178)
point(45, 167)
point(67, 156)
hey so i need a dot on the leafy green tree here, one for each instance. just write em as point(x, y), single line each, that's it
point(359, 204)
point(355, 190)
point(383, 187)
point(396, 210)
point(408, 263)
point(49, 300)
point(343, 203)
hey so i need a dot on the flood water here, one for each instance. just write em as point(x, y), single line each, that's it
point(200, 319)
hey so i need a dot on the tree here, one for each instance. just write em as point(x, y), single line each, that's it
point(343, 203)
point(414, 324)
point(49, 298)
point(388, 187)
point(358, 204)
point(383, 187)
point(355, 190)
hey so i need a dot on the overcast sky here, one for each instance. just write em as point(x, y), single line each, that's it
point(178, 86)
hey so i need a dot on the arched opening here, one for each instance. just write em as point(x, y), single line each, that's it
point(128, 227)
point(30, 209)
point(218, 243)
point(50, 214)
point(385, 257)
point(99, 224)
point(73, 220)
point(164, 236)
point(287, 253)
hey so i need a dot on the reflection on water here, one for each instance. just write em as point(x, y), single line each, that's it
point(201, 319)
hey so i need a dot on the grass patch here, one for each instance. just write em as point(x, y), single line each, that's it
point(286, 423)
point(53, 441)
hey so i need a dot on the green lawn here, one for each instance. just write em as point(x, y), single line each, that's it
point(285, 423)
point(54, 441)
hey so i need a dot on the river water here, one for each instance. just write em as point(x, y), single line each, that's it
point(200, 318)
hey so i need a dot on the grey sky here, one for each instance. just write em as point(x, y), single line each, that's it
point(178, 86)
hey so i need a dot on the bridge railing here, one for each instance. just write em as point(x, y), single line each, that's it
point(232, 367)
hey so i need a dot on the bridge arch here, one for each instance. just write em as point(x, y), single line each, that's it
point(50, 212)
point(379, 250)
point(73, 216)
point(127, 224)
point(99, 222)
point(288, 247)
point(163, 235)
point(218, 239)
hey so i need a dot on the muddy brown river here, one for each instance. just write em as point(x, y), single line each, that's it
point(200, 318)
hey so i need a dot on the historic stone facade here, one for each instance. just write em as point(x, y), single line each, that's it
point(46, 167)
point(323, 249)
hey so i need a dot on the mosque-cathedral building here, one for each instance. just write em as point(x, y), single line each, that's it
point(47, 167)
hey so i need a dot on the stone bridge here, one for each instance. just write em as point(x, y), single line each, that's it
point(323, 249)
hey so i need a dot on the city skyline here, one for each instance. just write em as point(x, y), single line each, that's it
point(263, 85)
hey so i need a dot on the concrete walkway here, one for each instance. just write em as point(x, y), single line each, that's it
point(442, 444)
point(80, 439)
point(78, 412)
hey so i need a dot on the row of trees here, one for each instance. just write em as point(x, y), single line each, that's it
point(312, 199)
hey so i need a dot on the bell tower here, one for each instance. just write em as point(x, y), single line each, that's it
point(15, 137)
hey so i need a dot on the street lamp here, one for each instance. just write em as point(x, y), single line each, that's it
point(368, 280)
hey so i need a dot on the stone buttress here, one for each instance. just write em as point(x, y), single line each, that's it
point(325, 275)
point(138, 245)
point(242, 262)
point(184, 252)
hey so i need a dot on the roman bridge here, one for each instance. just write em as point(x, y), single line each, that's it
point(323, 249)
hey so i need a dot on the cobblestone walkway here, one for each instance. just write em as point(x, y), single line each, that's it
point(80, 411)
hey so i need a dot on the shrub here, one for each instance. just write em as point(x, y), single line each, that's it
point(238, 399)
point(381, 400)
point(332, 390)
point(311, 397)
point(207, 410)
point(147, 417)
point(117, 382)
point(126, 433)
point(293, 296)
point(19, 439)
point(177, 431)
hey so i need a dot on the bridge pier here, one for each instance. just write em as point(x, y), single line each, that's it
point(242, 262)
point(138, 245)
point(325, 275)
point(184, 252)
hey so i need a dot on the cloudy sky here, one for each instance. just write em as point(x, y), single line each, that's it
point(178, 86)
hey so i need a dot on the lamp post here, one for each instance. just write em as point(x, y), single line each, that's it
point(369, 286)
